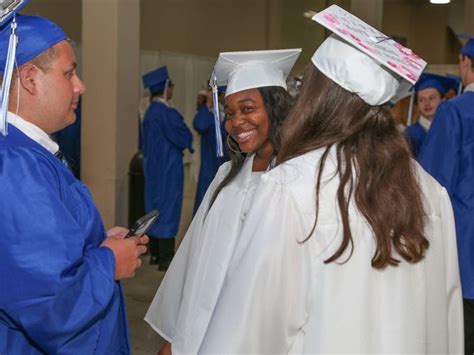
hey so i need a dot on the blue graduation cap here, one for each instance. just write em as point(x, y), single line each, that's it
point(455, 84)
point(25, 38)
point(8, 10)
point(434, 81)
point(221, 89)
point(156, 80)
point(468, 48)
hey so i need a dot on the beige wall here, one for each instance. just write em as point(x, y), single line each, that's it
point(203, 27)
point(207, 27)
point(425, 26)
point(66, 13)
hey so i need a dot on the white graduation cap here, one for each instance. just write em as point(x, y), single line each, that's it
point(249, 70)
point(253, 69)
point(363, 60)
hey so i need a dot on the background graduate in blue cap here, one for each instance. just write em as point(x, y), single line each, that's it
point(204, 124)
point(165, 137)
point(59, 292)
point(430, 90)
point(448, 155)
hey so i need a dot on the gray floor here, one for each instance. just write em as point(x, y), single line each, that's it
point(140, 290)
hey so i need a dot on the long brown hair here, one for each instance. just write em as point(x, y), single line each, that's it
point(373, 165)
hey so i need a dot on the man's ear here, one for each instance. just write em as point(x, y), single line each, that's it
point(28, 78)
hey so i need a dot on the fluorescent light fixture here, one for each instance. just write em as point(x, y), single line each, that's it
point(440, 1)
point(309, 13)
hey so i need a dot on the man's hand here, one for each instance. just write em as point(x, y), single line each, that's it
point(127, 251)
point(119, 232)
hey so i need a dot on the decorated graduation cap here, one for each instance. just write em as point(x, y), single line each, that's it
point(363, 60)
point(22, 39)
point(240, 71)
point(434, 81)
point(157, 79)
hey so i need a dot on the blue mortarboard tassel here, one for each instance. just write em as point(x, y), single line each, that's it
point(217, 121)
point(7, 78)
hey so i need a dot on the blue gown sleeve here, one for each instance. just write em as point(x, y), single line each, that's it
point(439, 154)
point(204, 120)
point(57, 281)
point(176, 131)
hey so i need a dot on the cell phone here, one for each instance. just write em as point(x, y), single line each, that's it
point(142, 224)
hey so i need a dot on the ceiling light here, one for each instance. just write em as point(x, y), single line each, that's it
point(440, 1)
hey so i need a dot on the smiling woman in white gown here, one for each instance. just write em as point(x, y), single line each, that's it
point(349, 246)
point(256, 106)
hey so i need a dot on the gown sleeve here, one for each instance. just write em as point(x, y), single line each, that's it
point(54, 285)
point(204, 120)
point(265, 298)
point(176, 130)
point(439, 154)
point(453, 283)
point(163, 312)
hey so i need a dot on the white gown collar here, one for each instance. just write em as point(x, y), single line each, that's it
point(469, 87)
point(33, 132)
point(425, 123)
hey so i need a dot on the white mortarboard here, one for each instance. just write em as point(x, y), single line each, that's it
point(249, 70)
point(363, 60)
point(253, 69)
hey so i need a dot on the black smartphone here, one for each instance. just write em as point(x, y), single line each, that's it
point(142, 224)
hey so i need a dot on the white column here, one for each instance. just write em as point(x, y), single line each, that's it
point(110, 59)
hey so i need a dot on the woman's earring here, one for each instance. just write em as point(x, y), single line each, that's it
point(229, 144)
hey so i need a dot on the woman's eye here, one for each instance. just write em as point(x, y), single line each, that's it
point(247, 109)
point(227, 116)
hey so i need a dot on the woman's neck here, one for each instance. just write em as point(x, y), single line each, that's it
point(263, 156)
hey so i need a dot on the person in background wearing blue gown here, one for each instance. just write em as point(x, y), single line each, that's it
point(204, 124)
point(59, 268)
point(69, 141)
point(429, 90)
point(448, 155)
point(165, 137)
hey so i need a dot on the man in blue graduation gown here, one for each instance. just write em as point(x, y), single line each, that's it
point(448, 154)
point(204, 123)
point(59, 268)
point(165, 137)
point(430, 90)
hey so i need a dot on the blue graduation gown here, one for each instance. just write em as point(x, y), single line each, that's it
point(57, 294)
point(204, 123)
point(416, 134)
point(165, 136)
point(448, 155)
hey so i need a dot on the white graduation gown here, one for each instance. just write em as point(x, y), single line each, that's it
point(185, 300)
point(279, 296)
